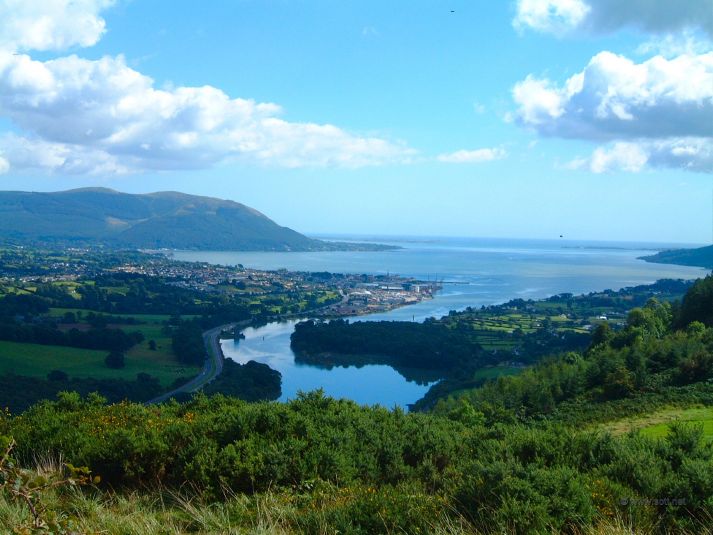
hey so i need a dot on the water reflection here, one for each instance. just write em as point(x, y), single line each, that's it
point(369, 384)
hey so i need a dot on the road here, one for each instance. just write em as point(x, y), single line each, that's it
point(212, 367)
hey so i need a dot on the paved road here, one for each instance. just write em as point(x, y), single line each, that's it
point(212, 367)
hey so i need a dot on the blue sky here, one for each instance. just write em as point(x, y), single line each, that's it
point(532, 118)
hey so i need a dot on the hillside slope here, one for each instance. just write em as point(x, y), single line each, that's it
point(700, 257)
point(99, 216)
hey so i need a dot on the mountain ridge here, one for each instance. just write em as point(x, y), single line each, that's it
point(158, 220)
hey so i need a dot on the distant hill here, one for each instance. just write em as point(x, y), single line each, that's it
point(100, 216)
point(701, 257)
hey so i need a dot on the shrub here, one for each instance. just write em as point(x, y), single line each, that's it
point(115, 360)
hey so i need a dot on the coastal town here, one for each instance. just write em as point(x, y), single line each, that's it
point(332, 294)
point(352, 294)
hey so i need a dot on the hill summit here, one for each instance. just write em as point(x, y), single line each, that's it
point(100, 216)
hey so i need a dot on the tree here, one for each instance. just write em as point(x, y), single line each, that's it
point(58, 376)
point(115, 360)
point(697, 304)
point(602, 334)
point(187, 343)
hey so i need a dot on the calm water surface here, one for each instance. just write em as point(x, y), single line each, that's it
point(476, 271)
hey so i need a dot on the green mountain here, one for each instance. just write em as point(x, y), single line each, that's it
point(701, 257)
point(99, 216)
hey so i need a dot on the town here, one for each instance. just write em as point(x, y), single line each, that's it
point(331, 294)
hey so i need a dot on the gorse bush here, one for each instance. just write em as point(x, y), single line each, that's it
point(370, 467)
point(219, 441)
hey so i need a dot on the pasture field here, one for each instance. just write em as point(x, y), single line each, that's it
point(37, 360)
point(656, 423)
point(147, 318)
point(160, 363)
point(494, 331)
point(493, 372)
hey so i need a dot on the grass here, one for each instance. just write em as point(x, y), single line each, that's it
point(656, 423)
point(38, 360)
point(162, 512)
point(493, 372)
point(487, 373)
point(148, 318)
point(493, 330)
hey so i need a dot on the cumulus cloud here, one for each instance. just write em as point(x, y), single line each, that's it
point(50, 24)
point(656, 16)
point(621, 156)
point(23, 153)
point(473, 156)
point(672, 45)
point(551, 16)
point(614, 97)
point(4, 165)
point(690, 154)
point(75, 115)
point(106, 112)
point(655, 113)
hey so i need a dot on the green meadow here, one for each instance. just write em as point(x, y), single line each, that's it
point(36, 360)
point(656, 424)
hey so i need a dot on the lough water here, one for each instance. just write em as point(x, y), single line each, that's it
point(476, 271)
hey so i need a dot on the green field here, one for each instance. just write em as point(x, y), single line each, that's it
point(493, 372)
point(488, 373)
point(493, 330)
point(656, 424)
point(38, 360)
point(148, 318)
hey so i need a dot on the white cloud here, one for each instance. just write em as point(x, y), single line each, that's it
point(4, 166)
point(539, 101)
point(621, 156)
point(672, 45)
point(658, 113)
point(75, 115)
point(37, 155)
point(50, 24)
point(106, 108)
point(656, 16)
point(614, 98)
point(551, 16)
point(690, 154)
point(653, 114)
point(473, 156)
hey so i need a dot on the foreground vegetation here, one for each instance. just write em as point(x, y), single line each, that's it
point(329, 464)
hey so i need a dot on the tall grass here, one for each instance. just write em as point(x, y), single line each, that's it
point(159, 513)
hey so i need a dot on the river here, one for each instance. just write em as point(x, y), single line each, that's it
point(476, 271)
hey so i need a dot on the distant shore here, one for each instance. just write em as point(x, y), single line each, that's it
point(699, 257)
